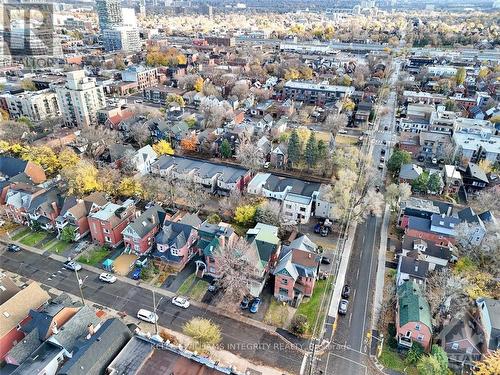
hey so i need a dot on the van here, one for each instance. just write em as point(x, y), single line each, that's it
point(147, 316)
point(342, 131)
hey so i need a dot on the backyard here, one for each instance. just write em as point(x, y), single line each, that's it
point(277, 314)
point(311, 307)
point(391, 359)
point(32, 238)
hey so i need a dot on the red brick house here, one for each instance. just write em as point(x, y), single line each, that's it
point(296, 271)
point(139, 235)
point(107, 224)
point(15, 313)
point(18, 198)
point(74, 213)
point(413, 317)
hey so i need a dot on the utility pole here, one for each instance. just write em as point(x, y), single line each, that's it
point(80, 282)
point(155, 306)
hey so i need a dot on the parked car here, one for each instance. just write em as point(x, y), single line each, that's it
point(377, 188)
point(382, 159)
point(343, 306)
point(346, 291)
point(107, 278)
point(147, 316)
point(13, 248)
point(384, 142)
point(138, 101)
point(214, 285)
point(317, 228)
point(326, 260)
point(254, 307)
point(386, 127)
point(381, 166)
point(180, 301)
point(244, 303)
point(342, 131)
point(382, 152)
point(72, 265)
point(136, 275)
point(142, 261)
point(266, 165)
point(324, 231)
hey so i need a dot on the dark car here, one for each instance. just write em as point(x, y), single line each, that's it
point(384, 142)
point(346, 291)
point(326, 260)
point(244, 303)
point(386, 127)
point(377, 188)
point(254, 307)
point(13, 248)
point(317, 228)
point(382, 152)
point(136, 275)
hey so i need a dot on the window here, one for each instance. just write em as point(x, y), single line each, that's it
point(284, 281)
point(174, 251)
point(420, 337)
point(417, 327)
point(105, 230)
point(408, 334)
point(288, 206)
point(107, 239)
point(454, 346)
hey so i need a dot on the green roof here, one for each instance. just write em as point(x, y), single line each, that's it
point(413, 306)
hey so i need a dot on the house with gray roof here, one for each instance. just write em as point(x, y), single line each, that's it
point(15, 170)
point(176, 241)
point(489, 319)
point(139, 234)
point(409, 172)
point(411, 269)
point(436, 255)
point(296, 270)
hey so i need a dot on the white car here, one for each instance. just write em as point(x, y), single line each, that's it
point(147, 316)
point(72, 265)
point(181, 302)
point(107, 278)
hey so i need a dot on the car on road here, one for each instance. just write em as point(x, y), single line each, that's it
point(381, 166)
point(317, 228)
point(343, 306)
point(72, 265)
point(244, 303)
point(382, 159)
point(138, 101)
point(386, 127)
point(326, 260)
point(342, 131)
point(13, 248)
point(324, 231)
point(107, 277)
point(147, 316)
point(434, 161)
point(181, 302)
point(384, 142)
point(346, 291)
point(382, 152)
point(136, 275)
point(254, 306)
point(377, 188)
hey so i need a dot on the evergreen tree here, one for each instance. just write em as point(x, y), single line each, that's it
point(322, 151)
point(435, 183)
point(293, 148)
point(225, 149)
point(311, 151)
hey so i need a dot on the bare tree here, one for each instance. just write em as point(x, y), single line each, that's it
point(213, 112)
point(140, 133)
point(191, 194)
point(486, 200)
point(335, 121)
point(250, 156)
point(98, 138)
point(144, 110)
point(445, 292)
point(240, 90)
point(229, 203)
point(13, 131)
point(209, 89)
point(236, 260)
point(269, 213)
point(188, 81)
point(397, 193)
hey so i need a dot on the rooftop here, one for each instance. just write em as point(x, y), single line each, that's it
point(318, 86)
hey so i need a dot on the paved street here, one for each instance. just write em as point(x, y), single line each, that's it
point(254, 344)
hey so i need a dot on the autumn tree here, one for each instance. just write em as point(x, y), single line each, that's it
point(175, 100)
point(163, 148)
point(204, 332)
point(250, 156)
point(189, 143)
point(245, 214)
point(238, 262)
point(43, 156)
point(460, 76)
point(81, 178)
point(68, 158)
point(130, 187)
point(442, 358)
point(28, 85)
point(489, 365)
point(428, 365)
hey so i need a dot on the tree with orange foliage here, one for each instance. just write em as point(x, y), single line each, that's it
point(189, 143)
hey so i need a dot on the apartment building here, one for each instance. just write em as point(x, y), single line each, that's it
point(315, 93)
point(122, 38)
point(37, 105)
point(144, 77)
point(80, 99)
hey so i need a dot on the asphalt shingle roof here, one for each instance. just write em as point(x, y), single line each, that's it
point(413, 306)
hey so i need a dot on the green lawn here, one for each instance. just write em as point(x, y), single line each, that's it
point(33, 238)
point(56, 246)
point(276, 314)
point(183, 289)
point(94, 257)
point(391, 359)
point(199, 290)
point(21, 233)
point(310, 307)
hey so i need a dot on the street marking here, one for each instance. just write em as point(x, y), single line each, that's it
point(357, 273)
point(350, 318)
point(354, 295)
point(349, 360)
point(365, 349)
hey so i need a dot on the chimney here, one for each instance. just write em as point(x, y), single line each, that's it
point(91, 330)
point(55, 331)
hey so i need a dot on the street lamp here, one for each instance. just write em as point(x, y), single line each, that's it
point(155, 306)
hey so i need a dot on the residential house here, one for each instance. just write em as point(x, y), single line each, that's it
point(8, 288)
point(279, 156)
point(18, 201)
point(15, 314)
point(438, 256)
point(139, 235)
point(411, 268)
point(44, 209)
point(143, 159)
point(144, 356)
point(176, 241)
point(211, 238)
point(409, 172)
point(98, 349)
point(363, 111)
point(296, 270)
point(452, 179)
point(474, 179)
point(216, 178)
point(439, 228)
point(462, 341)
point(107, 224)
point(297, 196)
point(413, 317)
point(489, 320)
point(476, 230)
point(75, 211)
point(17, 170)
point(264, 145)
point(422, 208)
point(433, 145)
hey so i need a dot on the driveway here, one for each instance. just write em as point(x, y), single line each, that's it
point(173, 282)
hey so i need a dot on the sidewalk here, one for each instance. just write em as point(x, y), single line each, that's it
point(226, 358)
point(379, 283)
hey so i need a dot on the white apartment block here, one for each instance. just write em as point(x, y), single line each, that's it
point(80, 99)
point(37, 106)
point(122, 38)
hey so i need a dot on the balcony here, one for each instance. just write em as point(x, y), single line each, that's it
point(405, 342)
point(61, 222)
